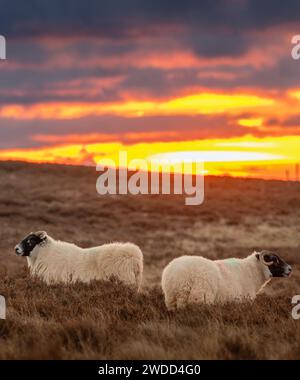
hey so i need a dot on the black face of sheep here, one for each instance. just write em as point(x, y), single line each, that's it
point(276, 266)
point(29, 243)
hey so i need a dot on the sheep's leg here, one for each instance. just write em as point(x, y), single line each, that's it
point(138, 273)
point(179, 299)
point(171, 303)
point(182, 301)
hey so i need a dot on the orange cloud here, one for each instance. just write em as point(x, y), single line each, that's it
point(105, 137)
point(195, 104)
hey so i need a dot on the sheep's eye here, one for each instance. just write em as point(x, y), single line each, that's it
point(275, 260)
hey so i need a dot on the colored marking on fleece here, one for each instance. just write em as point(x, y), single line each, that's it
point(231, 261)
point(225, 264)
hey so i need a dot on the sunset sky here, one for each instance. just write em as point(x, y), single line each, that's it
point(85, 79)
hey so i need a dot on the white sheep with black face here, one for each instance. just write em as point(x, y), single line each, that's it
point(57, 261)
point(195, 279)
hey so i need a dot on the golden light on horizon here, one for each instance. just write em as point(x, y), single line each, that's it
point(214, 156)
point(244, 156)
point(236, 156)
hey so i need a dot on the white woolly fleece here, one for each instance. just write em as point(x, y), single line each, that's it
point(58, 261)
point(195, 279)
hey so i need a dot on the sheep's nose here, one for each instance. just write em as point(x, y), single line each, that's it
point(288, 270)
point(18, 250)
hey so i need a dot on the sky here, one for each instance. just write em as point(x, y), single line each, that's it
point(86, 79)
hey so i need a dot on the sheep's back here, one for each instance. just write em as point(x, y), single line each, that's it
point(123, 261)
point(68, 263)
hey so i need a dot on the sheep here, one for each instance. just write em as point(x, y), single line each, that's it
point(60, 262)
point(197, 280)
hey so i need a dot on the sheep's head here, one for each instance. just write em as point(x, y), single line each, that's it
point(276, 266)
point(27, 245)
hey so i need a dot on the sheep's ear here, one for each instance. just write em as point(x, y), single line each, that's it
point(42, 235)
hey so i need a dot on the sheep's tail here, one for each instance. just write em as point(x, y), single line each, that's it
point(138, 273)
point(135, 264)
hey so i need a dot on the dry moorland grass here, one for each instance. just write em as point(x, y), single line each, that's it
point(108, 321)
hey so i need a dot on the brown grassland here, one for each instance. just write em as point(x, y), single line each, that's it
point(108, 321)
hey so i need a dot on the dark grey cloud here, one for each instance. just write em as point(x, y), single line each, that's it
point(284, 73)
point(214, 44)
point(19, 133)
point(209, 28)
point(29, 86)
point(115, 18)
